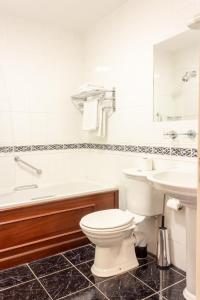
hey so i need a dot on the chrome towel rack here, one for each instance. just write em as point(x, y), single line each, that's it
point(104, 94)
point(19, 160)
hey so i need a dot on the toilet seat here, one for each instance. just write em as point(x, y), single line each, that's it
point(110, 220)
point(111, 231)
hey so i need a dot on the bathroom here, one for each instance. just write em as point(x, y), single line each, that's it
point(49, 51)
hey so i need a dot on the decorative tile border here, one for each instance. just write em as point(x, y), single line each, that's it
point(39, 147)
point(6, 149)
point(194, 153)
point(170, 151)
point(22, 148)
point(181, 152)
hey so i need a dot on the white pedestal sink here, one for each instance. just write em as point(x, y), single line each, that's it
point(183, 186)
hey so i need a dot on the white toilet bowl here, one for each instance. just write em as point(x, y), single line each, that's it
point(112, 232)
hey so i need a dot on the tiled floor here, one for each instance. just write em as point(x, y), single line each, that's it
point(68, 276)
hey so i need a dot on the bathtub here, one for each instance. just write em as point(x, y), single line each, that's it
point(43, 221)
point(51, 193)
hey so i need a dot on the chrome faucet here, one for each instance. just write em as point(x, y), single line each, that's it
point(191, 134)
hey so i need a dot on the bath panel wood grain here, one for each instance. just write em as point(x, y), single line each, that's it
point(38, 230)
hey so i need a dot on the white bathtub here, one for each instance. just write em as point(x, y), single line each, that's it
point(51, 193)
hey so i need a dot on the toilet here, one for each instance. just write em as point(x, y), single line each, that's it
point(112, 230)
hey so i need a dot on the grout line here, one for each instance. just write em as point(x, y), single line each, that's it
point(14, 267)
point(184, 277)
point(88, 280)
point(173, 285)
point(40, 282)
point(143, 283)
point(76, 248)
point(10, 287)
point(146, 298)
point(106, 278)
point(40, 277)
point(85, 262)
point(140, 266)
point(70, 266)
point(46, 257)
point(74, 293)
point(177, 272)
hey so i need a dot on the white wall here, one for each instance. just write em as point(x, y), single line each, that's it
point(123, 43)
point(40, 68)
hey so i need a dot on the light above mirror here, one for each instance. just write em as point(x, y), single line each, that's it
point(176, 77)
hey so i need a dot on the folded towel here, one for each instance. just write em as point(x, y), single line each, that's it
point(104, 109)
point(87, 87)
point(88, 90)
point(102, 118)
point(90, 114)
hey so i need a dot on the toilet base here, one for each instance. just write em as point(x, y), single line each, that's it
point(114, 260)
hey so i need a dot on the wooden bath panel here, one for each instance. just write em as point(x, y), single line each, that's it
point(35, 231)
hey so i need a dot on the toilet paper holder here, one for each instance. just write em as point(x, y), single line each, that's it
point(174, 204)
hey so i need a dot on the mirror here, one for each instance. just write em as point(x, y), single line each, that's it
point(176, 77)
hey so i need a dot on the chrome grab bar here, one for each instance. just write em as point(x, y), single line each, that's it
point(18, 159)
point(25, 187)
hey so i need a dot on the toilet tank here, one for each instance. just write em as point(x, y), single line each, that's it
point(141, 197)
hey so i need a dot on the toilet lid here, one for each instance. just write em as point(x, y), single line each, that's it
point(107, 219)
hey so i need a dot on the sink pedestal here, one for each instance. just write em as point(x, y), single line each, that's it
point(183, 186)
point(190, 290)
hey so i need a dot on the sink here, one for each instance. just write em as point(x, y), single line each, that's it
point(180, 184)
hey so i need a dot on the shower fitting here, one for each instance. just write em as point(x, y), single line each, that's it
point(188, 75)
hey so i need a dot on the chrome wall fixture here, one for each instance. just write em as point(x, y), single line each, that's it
point(188, 75)
point(19, 160)
point(191, 134)
point(25, 187)
point(103, 94)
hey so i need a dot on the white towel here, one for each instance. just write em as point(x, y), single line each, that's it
point(102, 118)
point(90, 114)
point(88, 87)
point(104, 108)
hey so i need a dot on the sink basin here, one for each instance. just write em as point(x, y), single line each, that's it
point(182, 184)
point(176, 183)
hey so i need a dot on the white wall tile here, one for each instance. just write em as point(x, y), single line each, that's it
point(6, 129)
point(129, 54)
point(22, 128)
point(40, 68)
point(7, 173)
point(38, 128)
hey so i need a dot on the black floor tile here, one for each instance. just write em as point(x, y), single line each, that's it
point(144, 261)
point(155, 297)
point(64, 283)
point(14, 276)
point(154, 277)
point(80, 255)
point(175, 292)
point(124, 287)
point(49, 265)
point(88, 294)
point(27, 291)
point(85, 268)
point(179, 270)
